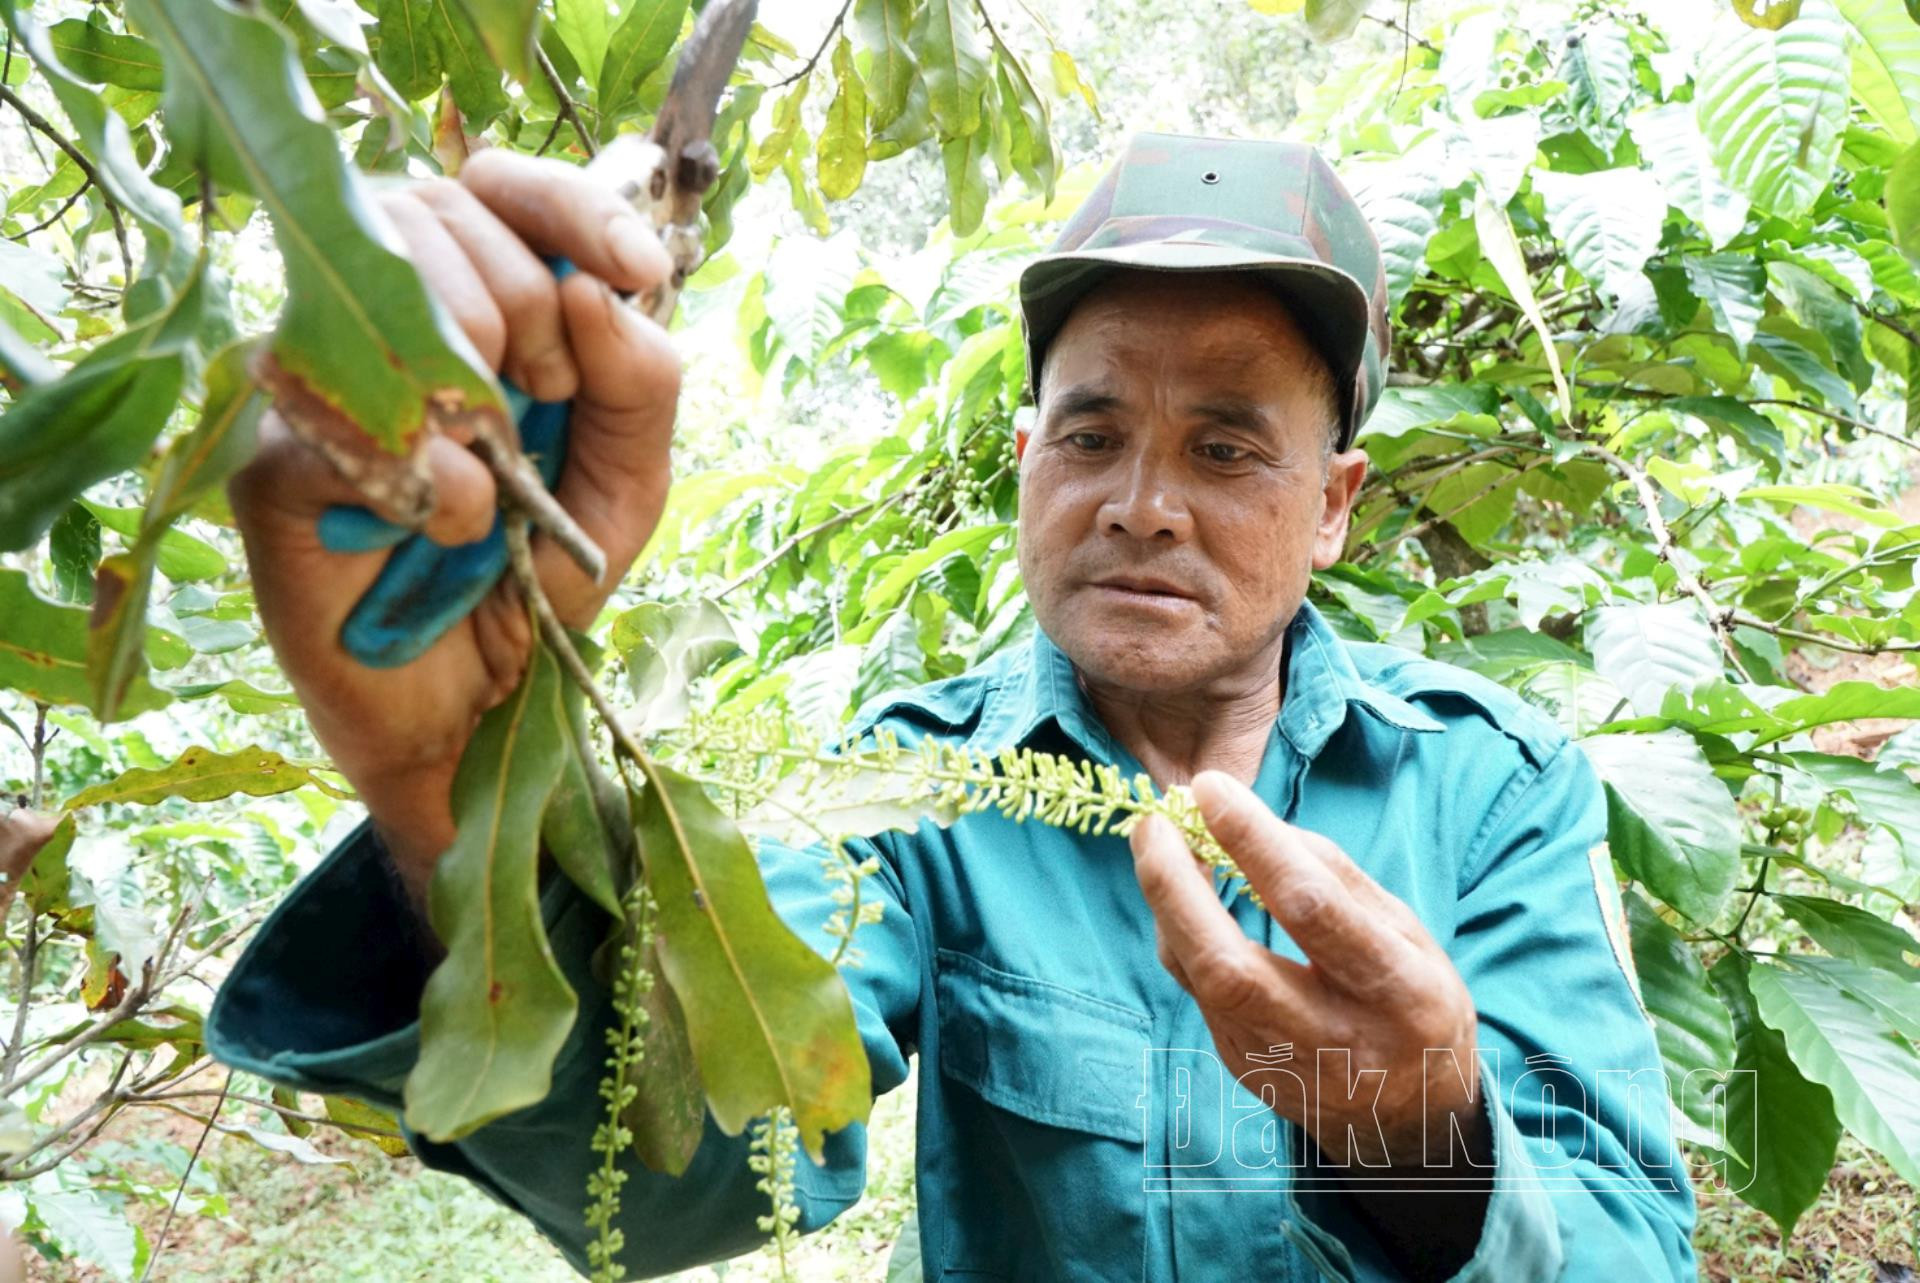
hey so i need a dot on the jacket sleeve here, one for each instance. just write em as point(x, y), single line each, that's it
point(326, 999)
point(1588, 1184)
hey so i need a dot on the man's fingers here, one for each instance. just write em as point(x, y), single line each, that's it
point(1361, 885)
point(1204, 947)
point(288, 484)
point(522, 286)
point(450, 275)
point(1304, 895)
point(560, 209)
point(464, 496)
point(619, 441)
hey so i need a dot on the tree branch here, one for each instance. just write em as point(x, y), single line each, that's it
point(569, 110)
point(1720, 619)
point(299, 1116)
point(1405, 33)
point(173, 1208)
point(799, 537)
point(1878, 557)
point(806, 68)
point(40, 741)
point(1905, 333)
point(1835, 416)
point(106, 1102)
point(29, 964)
point(57, 214)
point(554, 633)
point(1824, 639)
point(155, 977)
point(85, 166)
point(523, 491)
point(1370, 549)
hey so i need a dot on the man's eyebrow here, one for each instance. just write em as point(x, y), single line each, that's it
point(1235, 412)
point(1085, 398)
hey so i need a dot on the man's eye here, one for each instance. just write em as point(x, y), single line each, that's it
point(1221, 452)
point(1089, 441)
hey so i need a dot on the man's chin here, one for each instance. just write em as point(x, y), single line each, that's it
point(1133, 658)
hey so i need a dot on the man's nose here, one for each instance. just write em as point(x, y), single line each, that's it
point(1147, 504)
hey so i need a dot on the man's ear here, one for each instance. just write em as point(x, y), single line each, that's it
point(1020, 436)
point(1345, 471)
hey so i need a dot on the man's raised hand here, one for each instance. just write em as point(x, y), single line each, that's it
point(397, 734)
point(1376, 985)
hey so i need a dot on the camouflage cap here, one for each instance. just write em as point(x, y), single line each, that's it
point(1180, 204)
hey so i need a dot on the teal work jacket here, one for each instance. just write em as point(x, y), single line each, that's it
point(1073, 1121)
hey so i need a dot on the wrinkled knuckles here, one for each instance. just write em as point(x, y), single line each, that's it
point(1225, 981)
point(1307, 903)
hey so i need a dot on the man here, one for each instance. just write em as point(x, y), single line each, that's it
point(1417, 1061)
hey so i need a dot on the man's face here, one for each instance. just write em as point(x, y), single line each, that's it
point(1175, 492)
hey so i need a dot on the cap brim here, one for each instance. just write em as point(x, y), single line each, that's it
point(1331, 306)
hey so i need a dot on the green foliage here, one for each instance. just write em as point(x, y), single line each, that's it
point(1781, 1127)
point(199, 776)
point(768, 1019)
point(496, 1010)
point(1655, 298)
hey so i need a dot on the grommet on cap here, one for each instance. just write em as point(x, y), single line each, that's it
point(1211, 176)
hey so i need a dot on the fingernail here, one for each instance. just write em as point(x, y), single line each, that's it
point(634, 248)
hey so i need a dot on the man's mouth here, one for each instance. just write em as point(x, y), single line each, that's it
point(1143, 588)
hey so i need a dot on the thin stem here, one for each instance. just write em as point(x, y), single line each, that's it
point(1910, 336)
point(1693, 519)
point(1415, 531)
point(553, 132)
point(155, 978)
point(1824, 639)
point(14, 726)
point(1877, 558)
point(107, 1103)
point(554, 633)
point(799, 537)
point(1720, 618)
point(1834, 416)
point(1405, 33)
point(29, 964)
point(522, 490)
point(1759, 889)
point(130, 1003)
point(986, 20)
point(806, 68)
point(57, 214)
point(79, 158)
point(568, 108)
point(299, 1116)
point(173, 1208)
point(39, 746)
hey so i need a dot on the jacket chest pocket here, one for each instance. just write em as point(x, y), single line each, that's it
point(1041, 1084)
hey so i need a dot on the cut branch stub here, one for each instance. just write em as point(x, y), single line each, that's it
point(397, 485)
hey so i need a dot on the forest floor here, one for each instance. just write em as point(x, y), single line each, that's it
point(374, 1219)
point(380, 1220)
